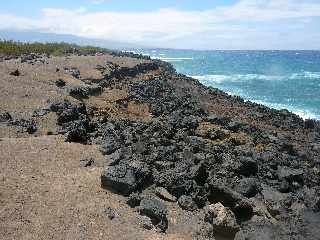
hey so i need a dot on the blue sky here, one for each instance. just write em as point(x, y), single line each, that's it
point(202, 24)
point(31, 7)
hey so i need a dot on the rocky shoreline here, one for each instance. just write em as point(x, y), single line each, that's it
point(249, 171)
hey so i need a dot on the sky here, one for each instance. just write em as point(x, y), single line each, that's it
point(186, 24)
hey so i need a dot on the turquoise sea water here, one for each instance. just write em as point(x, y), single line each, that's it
point(279, 79)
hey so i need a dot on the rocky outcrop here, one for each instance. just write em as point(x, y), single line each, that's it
point(73, 71)
point(80, 92)
point(73, 120)
point(249, 169)
point(156, 211)
point(15, 73)
point(222, 219)
point(26, 125)
point(123, 178)
point(5, 117)
point(165, 195)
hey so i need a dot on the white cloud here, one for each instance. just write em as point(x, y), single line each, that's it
point(166, 27)
point(97, 1)
point(269, 10)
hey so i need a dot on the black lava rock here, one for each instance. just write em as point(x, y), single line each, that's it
point(15, 73)
point(41, 112)
point(110, 145)
point(242, 150)
point(60, 83)
point(248, 187)
point(110, 213)
point(187, 203)
point(124, 179)
point(73, 72)
point(290, 174)
point(87, 162)
point(156, 211)
point(216, 134)
point(219, 192)
point(84, 91)
point(67, 112)
point(120, 179)
point(134, 200)
point(248, 167)
point(28, 125)
point(5, 117)
point(77, 131)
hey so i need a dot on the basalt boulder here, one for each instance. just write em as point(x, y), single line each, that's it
point(222, 219)
point(27, 125)
point(15, 73)
point(125, 179)
point(60, 83)
point(187, 203)
point(120, 179)
point(5, 117)
point(75, 72)
point(156, 211)
point(248, 187)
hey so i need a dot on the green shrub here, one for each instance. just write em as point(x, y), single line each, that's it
point(9, 47)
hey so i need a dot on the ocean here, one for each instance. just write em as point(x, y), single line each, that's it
point(278, 79)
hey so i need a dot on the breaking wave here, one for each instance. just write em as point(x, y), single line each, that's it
point(172, 59)
point(280, 80)
point(243, 78)
point(251, 77)
point(303, 113)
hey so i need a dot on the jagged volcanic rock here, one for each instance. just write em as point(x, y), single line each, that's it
point(204, 148)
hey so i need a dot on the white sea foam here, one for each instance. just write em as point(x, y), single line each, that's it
point(251, 77)
point(130, 51)
point(306, 114)
point(303, 113)
point(213, 78)
point(172, 59)
point(305, 75)
point(237, 77)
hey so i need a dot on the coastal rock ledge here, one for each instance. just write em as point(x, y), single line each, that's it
point(192, 160)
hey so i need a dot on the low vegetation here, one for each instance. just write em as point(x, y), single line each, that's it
point(9, 47)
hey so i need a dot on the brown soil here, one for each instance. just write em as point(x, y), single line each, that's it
point(45, 193)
